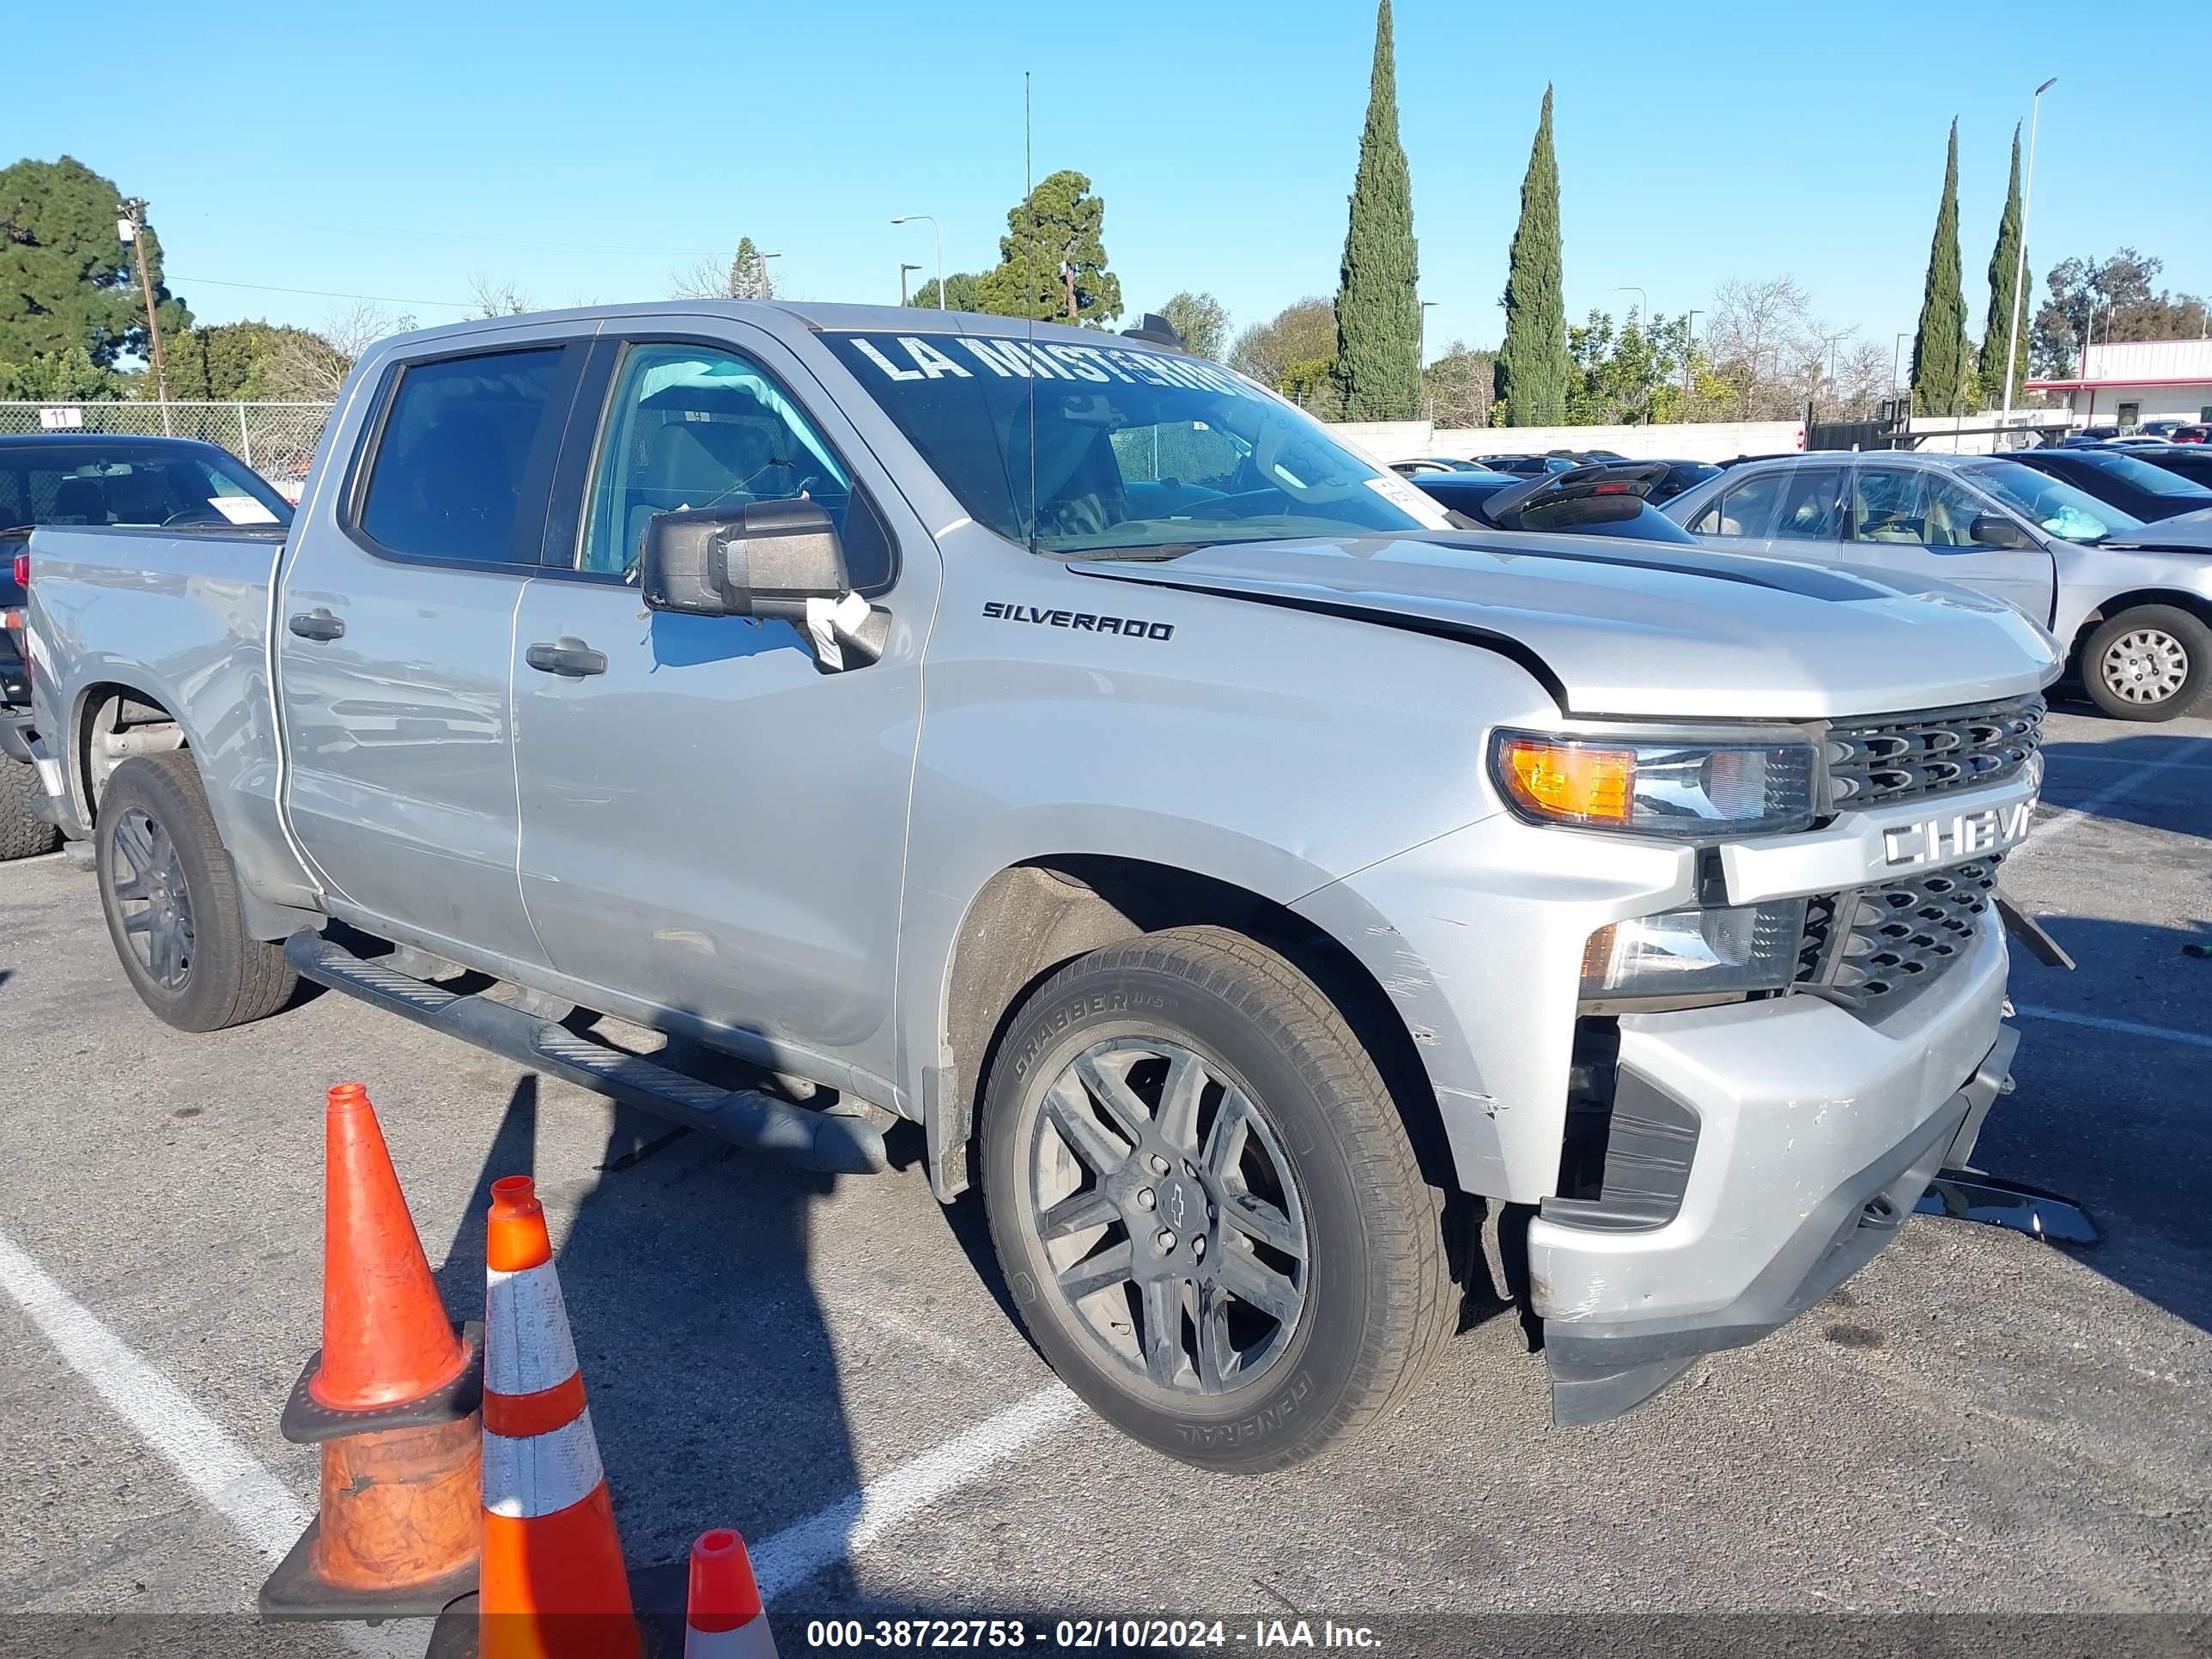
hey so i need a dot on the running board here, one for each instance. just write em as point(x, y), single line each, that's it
point(813, 1140)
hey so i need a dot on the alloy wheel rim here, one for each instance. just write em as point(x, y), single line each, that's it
point(2145, 666)
point(1169, 1214)
point(147, 880)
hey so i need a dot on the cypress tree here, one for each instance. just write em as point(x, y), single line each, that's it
point(2004, 265)
point(1377, 374)
point(1941, 368)
point(1534, 369)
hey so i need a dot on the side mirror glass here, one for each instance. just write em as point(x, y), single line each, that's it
point(1995, 530)
point(766, 559)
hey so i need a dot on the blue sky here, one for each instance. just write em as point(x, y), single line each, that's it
point(585, 151)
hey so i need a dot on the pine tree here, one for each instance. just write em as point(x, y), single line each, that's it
point(1052, 260)
point(1377, 374)
point(1534, 368)
point(749, 273)
point(2004, 265)
point(1942, 368)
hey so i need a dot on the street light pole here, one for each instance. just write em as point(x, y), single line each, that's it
point(903, 269)
point(937, 234)
point(1897, 358)
point(1421, 357)
point(1642, 305)
point(2020, 270)
point(1689, 349)
point(131, 225)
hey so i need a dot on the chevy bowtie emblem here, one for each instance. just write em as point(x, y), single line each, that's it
point(1947, 840)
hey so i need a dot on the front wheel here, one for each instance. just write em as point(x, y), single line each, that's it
point(2149, 663)
point(1206, 1205)
point(171, 900)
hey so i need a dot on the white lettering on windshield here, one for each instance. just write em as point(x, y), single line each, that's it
point(1000, 357)
point(930, 360)
point(1072, 356)
point(867, 348)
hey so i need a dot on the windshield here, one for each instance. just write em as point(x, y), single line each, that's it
point(65, 482)
point(1127, 450)
point(2061, 509)
point(2151, 480)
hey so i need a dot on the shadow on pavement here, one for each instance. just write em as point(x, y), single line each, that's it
point(2116, 1119)
point(712, 1379)
point(2171, 801)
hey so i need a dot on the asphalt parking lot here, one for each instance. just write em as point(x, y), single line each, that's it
point(1978, 1423)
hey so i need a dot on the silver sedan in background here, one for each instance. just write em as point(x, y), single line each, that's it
point(2131, 602)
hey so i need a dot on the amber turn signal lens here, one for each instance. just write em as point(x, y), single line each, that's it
point(1572, 784)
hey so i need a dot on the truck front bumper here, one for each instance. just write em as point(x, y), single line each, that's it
point(1816, 1133)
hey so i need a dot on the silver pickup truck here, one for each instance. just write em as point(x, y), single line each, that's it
point(1059, 742)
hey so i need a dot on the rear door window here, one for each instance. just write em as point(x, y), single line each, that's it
point(1811, 506)
point(462, 462)
point(1746, 511)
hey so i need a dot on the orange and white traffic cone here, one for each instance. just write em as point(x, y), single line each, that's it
point(552, 1584)
point(390, 1398)
point(722, 1616)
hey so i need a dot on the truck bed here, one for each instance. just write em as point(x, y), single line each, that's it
point(176, 619)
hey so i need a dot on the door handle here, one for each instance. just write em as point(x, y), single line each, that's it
point(317, 624)
point(567, 655)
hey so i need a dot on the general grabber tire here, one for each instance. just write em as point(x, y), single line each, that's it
point(2151, 662)
point(171, 900)
point(1206, 1205)
point(23, 834)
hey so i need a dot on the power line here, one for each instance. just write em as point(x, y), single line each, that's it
point(319, 292)
point(420, 234)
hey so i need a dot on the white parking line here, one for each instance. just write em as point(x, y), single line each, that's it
point(223, 1472)
point(2128, 1027)
point(789, 1559)
point(270, 1517)
point(2125, 759)
point(2066, 823)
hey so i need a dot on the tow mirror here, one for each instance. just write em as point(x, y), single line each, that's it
point(1995, 530)
point(767, 559)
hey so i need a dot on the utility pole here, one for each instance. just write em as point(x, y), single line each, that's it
point(760, 264)
point(2020, 271)
point(1428, 409)
point(903, 269)
point(1896, 358)
point(131, 226)
point(1689, 349)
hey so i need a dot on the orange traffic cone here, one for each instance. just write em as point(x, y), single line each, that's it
point(722, 1617)
point(552, 1583)
point(391, 1399)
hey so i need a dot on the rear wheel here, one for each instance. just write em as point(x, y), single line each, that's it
point(2151, 662)
point(1206, 1205)
point(22, 833)
point(171, 900)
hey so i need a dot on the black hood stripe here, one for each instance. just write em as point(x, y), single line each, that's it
point(1504, 644)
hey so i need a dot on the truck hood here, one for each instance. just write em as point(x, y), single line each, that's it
point(1617, 628)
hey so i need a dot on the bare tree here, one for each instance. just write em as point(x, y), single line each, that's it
point(1761, 343)
point(499, 298)
point(304, 367)
point(704, 279)
point(1863, 380)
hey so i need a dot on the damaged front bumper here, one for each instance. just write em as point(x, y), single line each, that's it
point(1811, 1134)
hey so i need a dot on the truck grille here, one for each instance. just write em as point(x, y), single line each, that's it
point(1877, 762)
point(1875, 949)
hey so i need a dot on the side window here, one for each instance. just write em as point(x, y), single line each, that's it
point(1747, 510)
point(1889, 504)
point(691, 426)
point(1952, 508)
point(1811, 506)
point(458, 442)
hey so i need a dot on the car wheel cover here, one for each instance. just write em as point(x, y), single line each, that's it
point(152, 902)
point(1169, 1215)
point(2144, 665)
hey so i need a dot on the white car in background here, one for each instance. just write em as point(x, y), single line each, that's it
point(2131, 602)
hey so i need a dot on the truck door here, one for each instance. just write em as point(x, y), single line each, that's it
point(1919, 520)
point(711, 822)
point(395, 631)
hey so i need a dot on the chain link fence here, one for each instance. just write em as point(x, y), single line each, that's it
point(276, 439)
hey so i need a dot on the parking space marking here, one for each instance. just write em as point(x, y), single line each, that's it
point(2128, 760)
point(2127, 1027)
point(2067, 822)
point(223, 1472)
point(792, 1557)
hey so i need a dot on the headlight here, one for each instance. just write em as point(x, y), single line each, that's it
point(1695, 952)
point(1657, 788)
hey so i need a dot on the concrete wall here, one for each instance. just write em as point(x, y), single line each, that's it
point(1399, 440)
